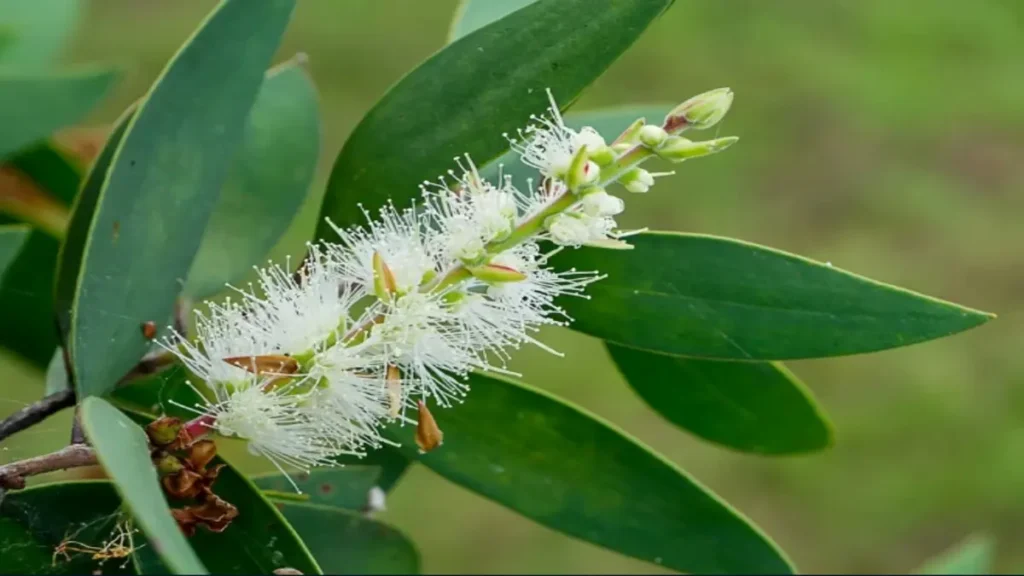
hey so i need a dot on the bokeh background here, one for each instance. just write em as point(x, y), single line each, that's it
point(886, 137)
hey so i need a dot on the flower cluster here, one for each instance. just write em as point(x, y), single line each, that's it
point(309, 365)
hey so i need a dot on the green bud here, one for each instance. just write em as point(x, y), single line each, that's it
point(677, 149)
point(637, 180)
point(603, 156)
point(163, 431)
point(700, 112)
point(168, 464)
point(652, 136)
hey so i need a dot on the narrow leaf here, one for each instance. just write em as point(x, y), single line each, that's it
point(464, 97)
point(122, 449)
point(571, 471)
point(33, 105)
point(755, 407)
point(347, 543)
point(162, 185)
point(712, 297)
point(56, 374)
point(269, 181)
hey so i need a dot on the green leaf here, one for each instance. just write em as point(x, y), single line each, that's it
point(972, 556)
point(162, 185)
point(464, 97)
point(51, 168)
point(346, 543)
point(56, 374)
point(755, 407)
point(123, 451)
point(33, 105)
point(12, 240)
point(346, 487)
point(573, 472)
point(471, 15)
point(35, 521)
point(712, 297)
point(38, 31)
point(269, 181)
point(72, 249)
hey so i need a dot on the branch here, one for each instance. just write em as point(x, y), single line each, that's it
point(36, 413)
point(13, 475)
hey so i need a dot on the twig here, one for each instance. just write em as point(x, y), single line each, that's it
point(35, 413)
point(12, 476)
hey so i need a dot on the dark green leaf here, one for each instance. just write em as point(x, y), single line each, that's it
point(37, 30)
point(268, 183)
point(750, 406)
point(33, 105)
point(573, 472)
point(471, 15)
point(972, 556)
point(162, 185)
point(712, 297)
point(123, 451)
point(12, 240)
point(69, 259)
point(464, 97)
point(346, 487)
point(346, 543)
point(51, 168)
point(35, 521)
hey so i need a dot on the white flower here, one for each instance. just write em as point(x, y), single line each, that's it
point(471, 214)
point(297, 316)
point(225, 332)
point(271, 420)
point(399, 238)
point(549, 145)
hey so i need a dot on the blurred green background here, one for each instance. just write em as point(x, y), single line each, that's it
point(884, 136)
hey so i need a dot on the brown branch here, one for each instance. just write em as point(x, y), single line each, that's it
point(36, 413)
point(12, 476)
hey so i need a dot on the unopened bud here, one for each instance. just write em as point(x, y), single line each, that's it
point(601, 203)
point(677, 148)
point(567, 229)
point(428, 435)
point(652, 136)
point(496, 273)
point(603, 156)
point(700, 112)
point(637, 180)
point(384, 284)
point(163, 431)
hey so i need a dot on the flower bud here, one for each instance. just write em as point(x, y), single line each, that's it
point(163, 431)
point(652, 136)
point(677, 148)
point(700, 112)
point(168, 464)
point(428, 434)
point(496, 273)
point(601, 203)
point(637, 180)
